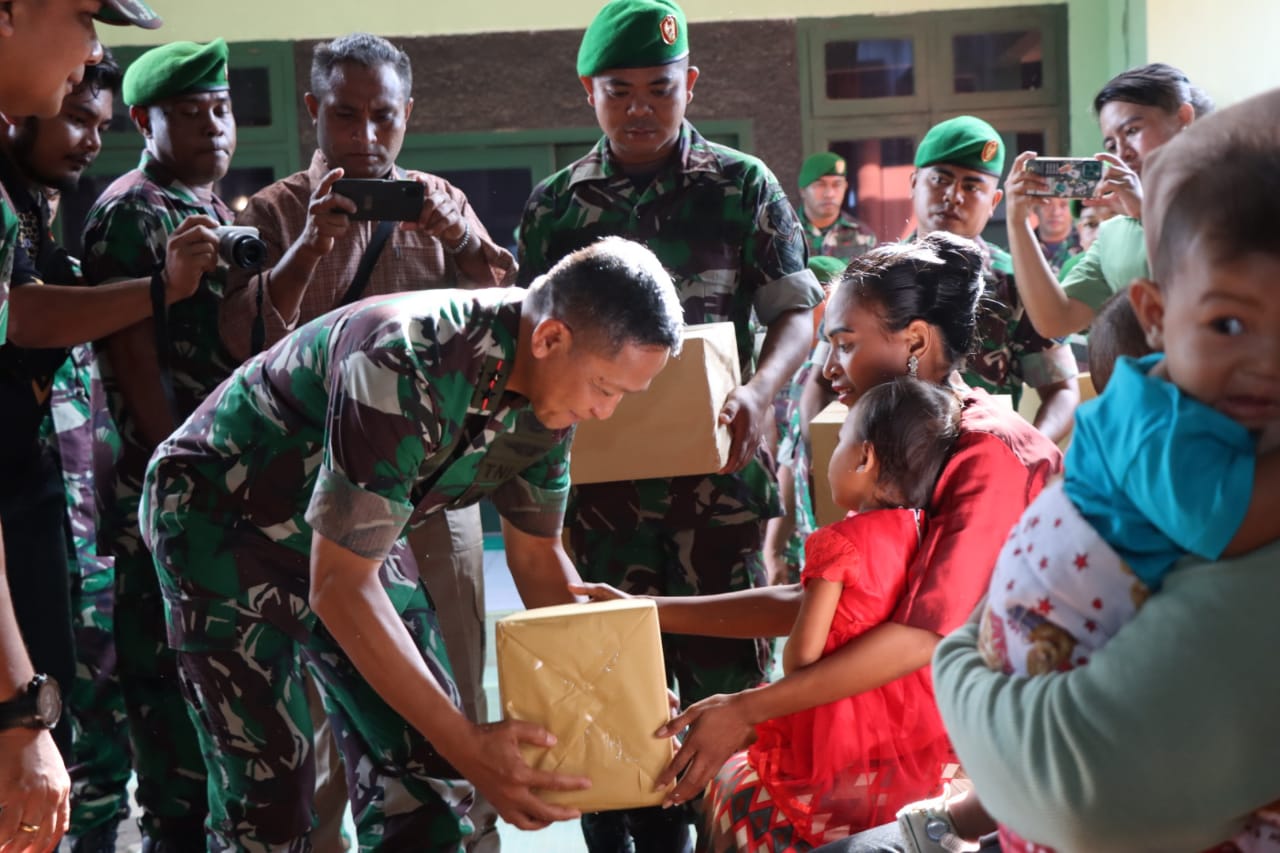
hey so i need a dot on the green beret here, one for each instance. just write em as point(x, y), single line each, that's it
point(964, 141)
point(633, 34)
point(820, 165)
point(176, 69)
point(128, 12)
point(826, 268)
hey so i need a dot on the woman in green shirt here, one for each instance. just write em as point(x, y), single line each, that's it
point(1138, 111)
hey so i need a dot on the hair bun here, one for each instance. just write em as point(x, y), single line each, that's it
point(959, 255)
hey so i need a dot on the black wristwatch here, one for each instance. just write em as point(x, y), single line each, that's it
point(37, 706)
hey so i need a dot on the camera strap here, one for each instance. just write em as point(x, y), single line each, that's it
point(370, 257)
point(160, 322)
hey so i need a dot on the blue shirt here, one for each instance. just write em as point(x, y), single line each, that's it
point(1157, 473)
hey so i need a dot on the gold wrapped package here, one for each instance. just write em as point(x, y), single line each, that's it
point(592, 675)
point(824, 434)
point(672, 429)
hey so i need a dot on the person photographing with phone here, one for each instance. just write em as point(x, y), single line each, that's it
point(1138, 111)
point(360, 101)
point(326, 249)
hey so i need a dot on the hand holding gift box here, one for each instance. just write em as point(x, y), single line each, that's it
point(593, 675)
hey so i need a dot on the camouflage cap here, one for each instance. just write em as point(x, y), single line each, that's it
point(964, 141)
point(820, 165)
point(827, 269)
point(633, 34)
point(123, 12)
point(176, 69)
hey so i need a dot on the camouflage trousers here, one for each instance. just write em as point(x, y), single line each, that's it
point(166, 752)
point(100, 756)
point(248, 701)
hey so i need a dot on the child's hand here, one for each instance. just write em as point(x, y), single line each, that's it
point(599, 592)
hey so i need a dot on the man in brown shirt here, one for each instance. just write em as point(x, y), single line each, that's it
point(360, 101)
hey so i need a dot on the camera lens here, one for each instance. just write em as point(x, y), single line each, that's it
point(241, 246)
point(248, 252)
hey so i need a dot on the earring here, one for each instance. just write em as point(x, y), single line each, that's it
point(913, 366)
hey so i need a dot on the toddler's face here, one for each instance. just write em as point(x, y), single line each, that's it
point(1221, 334)
point(851, 474)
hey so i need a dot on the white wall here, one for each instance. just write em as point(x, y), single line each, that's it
point(271, 20)
point(1228, 47)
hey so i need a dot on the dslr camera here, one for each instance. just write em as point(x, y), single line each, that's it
point(240, 246)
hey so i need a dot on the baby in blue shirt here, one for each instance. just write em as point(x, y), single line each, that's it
point(1178, 455)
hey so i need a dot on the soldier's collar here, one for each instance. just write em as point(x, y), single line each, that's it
point(694, 155)
point(160, 175)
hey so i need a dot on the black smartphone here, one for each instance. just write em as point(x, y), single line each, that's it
point(377, 199)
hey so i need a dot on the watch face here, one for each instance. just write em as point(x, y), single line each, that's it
point(48, 703)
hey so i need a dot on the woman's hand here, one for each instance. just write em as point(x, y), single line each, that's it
point(1019, 204)
point(1121, 186)
point(599, 592)
point(718, 727)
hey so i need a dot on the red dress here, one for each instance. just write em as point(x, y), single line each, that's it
point(851, 764)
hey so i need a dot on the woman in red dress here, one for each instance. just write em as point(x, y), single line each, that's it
point(901, 309)
point(817, 764)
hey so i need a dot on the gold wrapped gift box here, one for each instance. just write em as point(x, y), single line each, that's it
point(592, 675)
point(672, 429)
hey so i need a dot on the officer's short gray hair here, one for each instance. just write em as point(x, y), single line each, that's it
point(362, 49)
point(612, 293)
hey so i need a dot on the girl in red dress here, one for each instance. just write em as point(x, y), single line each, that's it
point(852, 763)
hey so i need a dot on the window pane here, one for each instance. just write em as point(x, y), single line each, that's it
point(999, 62)
point(497, 196)
point(880, 183)
point(240, 183)
point(870, 68)
point(251, 96)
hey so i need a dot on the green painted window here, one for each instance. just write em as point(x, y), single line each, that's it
point(871, 86)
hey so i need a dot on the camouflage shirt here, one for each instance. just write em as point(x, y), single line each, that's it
point(77, 420)
point(361, 422)
point(845, 238)
point(125, 236)
point(721, 224)
point(1057, 254)
point(1010, 351)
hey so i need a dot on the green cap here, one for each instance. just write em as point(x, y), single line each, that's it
point(128, 12)
point(965, 141)
point(826, 268)
point(633, 34)
point(820, 165)
point(176, 69)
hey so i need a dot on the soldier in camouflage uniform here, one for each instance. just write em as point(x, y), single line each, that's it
point(43, 46)
point(722, 225)
point(824, 184)
point(179, 100)
point(100, 751)
point(38, 157)
point(955, 189)
point(272, 512)
point(49, 155)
